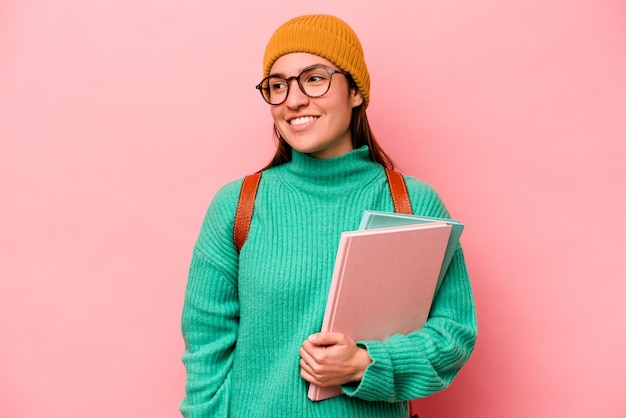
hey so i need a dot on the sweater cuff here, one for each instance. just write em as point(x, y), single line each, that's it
point(377, 378)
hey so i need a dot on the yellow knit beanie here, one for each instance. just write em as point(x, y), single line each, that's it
point(326, 36)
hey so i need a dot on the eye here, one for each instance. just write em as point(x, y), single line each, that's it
point(315, 76)
point(276, 84)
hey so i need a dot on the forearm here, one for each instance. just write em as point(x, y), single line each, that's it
point(209, 325)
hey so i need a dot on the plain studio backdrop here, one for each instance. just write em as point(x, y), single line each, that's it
point(120, 119)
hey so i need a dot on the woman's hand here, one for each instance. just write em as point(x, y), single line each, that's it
point(331, 359)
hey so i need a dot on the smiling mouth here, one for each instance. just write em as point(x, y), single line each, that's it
point(302, 120)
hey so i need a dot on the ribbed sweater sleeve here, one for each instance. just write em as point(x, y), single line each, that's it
point(211, 312)
point(421, 363)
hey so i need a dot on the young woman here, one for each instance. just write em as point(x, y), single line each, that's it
point(251, 319)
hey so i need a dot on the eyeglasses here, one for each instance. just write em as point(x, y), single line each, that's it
point(313, 81)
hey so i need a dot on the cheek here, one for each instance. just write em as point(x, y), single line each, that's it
point(278, 120)
point(344, 115)
point(275, 112)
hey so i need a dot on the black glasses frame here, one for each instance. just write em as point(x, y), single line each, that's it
point(330, 72)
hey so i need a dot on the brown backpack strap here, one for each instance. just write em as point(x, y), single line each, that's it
point(399, 192)
point(245, 207)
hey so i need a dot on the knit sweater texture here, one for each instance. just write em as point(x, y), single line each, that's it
point(246, 315)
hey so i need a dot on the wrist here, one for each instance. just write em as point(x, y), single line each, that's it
point(363, 360)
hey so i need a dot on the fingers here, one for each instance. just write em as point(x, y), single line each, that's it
point(313, 372)
point(324, 347)
point(316, 362)
point(306, 359)
point(328, 359)
point(307, 373)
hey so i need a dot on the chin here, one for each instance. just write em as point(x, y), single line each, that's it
point(301, 146)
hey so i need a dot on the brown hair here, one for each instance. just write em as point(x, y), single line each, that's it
point(361, 135)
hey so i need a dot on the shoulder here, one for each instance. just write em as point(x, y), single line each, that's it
point(227, 195)
point(416, 185)
point(424, 198)
point(220, 215)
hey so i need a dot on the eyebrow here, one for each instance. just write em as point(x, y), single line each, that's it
point(301, 70)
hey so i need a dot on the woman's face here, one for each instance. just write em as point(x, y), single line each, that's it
point(317, 126)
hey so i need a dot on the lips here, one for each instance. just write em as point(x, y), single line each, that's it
point(302, 120)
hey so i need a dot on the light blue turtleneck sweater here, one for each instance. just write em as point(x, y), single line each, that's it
point(245, 316)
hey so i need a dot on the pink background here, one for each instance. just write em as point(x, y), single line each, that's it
point(120, 119)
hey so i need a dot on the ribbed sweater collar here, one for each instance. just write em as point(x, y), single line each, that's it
point(351, 170)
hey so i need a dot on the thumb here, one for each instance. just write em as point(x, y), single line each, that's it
point(326, 338)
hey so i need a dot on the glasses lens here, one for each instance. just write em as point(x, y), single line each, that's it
point(274, 89)
point(315, 81)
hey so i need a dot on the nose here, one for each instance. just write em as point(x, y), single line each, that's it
point(296, 97)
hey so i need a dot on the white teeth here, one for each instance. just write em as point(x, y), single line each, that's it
point(302, 120)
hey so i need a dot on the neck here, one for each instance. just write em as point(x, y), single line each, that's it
point(353, 169)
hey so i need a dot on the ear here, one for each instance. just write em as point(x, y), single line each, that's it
point(356, 98)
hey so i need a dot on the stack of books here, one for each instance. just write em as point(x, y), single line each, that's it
point(385, 277)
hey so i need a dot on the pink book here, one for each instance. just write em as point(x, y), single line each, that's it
point(383, 283)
